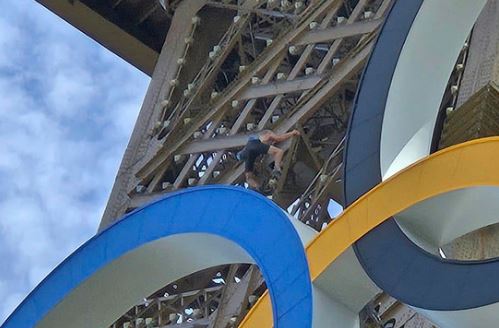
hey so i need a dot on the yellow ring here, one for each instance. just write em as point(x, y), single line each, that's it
point(465, 165)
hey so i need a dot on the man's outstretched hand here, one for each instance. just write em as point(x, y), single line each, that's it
point(295, 133)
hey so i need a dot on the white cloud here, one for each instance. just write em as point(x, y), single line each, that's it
point(67, 107)
point(70, 90)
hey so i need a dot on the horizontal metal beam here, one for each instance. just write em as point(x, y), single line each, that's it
point(214, 144)
point(280, 87)
point(339, 32)
point(200, 323)
point(244, 9)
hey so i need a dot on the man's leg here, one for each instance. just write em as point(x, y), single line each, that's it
point(277, 154)
point(252, 180)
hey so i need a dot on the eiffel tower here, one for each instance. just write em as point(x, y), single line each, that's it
point(222, 70)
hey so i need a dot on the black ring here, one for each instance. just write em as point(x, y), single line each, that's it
point(392, 261)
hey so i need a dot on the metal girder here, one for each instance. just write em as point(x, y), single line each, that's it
point(201, 323)
point(149, 113)
point(235, 298)
point(156, 309)
point(342, 72)
point(134, 45)
point(210, 145)
point(305, 56)
point(286, 166)
point(311, 207)
point(141, 199)
point(210, 70)
point(250, 104)
point(184, 131)
point(280, 87)
point(235, 128)
point(339, 32)
point(333, 33)
point(116, 3)
point(316, 161)
point(105, 9)
point(385, 311)
point(238, 141)
point(147, 11)
point(243, 9)
point(192, 159)
point(335, 46)
point(232, 295)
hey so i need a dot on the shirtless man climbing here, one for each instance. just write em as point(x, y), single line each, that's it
point(261, 144)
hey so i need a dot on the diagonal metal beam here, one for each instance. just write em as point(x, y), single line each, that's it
point(193, 158)
point(235, 298)
point(147, 11)
point(158, 88)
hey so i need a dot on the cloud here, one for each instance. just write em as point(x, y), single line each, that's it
point(67, 108)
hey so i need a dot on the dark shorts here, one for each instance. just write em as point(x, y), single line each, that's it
point(252, 150)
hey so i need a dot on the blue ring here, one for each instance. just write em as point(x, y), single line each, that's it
point(261, 228)
point(392, 261)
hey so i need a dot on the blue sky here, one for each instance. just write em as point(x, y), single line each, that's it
point(67, 108)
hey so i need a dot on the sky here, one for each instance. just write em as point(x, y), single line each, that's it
point(67, 109)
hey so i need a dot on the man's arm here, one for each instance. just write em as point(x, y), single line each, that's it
point(283, 137)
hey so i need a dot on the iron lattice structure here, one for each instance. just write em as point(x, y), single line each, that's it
point(229, 69)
